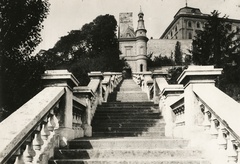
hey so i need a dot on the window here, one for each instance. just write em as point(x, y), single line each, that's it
point(128, 50)
point(189, 24)
point(198, 25)
point(189, 35)
point(141, 67)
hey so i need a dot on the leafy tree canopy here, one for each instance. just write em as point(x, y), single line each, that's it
point(93, 47)
point(159, 61)
point(216, 45)
point(178, 54)
point(20, 24)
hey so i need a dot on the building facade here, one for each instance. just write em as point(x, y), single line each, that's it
point(133, 44)
point(187, 21)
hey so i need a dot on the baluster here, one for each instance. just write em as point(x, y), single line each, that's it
point(56, 121)
point(19, 160)
point(37, 141)
point(222, 142)
point(214, 128)
point(231, 150)
point(181, 115)
point(51, 124)
point(45, 132)
point(238, 152)
point(206, 123)
point(28, 153)
point(19, 157)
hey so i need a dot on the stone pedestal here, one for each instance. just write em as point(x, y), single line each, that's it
point(96, 77)
point(157, 74)
point(194, 76)
point(169, 95)
point(63, 78)
point(87, 130)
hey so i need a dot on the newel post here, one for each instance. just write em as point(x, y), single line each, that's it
point(169, 95)
point(97, 77)
point(156, 90)
point(63, 78)
point(190, 78)
point(106, 85)
point(148, 82)
point(86, 95)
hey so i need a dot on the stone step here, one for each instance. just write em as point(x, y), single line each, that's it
point(127, 129)
point(129, 161)
point(134, 121)
point(127, 154)
point(127, 116)
point(126, 111)
point(148, 103)
point(129, 125)
point(129, 88)
point(128, 143)
point(128, 134)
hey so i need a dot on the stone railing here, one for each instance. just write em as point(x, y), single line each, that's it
point(152, 83)
point(110, 81)
point(204, 114)
point(59, 113)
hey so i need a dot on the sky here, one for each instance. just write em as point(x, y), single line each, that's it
point(67, 15)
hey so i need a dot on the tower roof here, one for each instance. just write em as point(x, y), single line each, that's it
point(140, 12)
point(189, 11)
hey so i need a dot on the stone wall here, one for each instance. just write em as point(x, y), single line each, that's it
point(166, 47)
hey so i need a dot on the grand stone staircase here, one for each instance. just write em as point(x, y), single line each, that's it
point(128, 129)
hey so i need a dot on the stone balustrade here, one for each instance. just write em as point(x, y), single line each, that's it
point(151, 83)
point(199, 111)
point(61, 112)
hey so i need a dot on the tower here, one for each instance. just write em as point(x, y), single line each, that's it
point(133, 44)
point(141, 44)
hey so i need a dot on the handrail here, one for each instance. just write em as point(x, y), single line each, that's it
point(27, 122)
point(60, 112)
point(208, 117)
point(224, 108)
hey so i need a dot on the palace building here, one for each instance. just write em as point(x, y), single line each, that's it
point(135, 45)
point(187, 21)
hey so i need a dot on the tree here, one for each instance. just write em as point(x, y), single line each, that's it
point(93, 47)
point(178, 53)
point(158, 61)
point(217, 45)
point(20, 24)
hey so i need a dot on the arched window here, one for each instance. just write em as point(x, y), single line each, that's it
point(141, 67)
point(189, 24)
point(189, 35)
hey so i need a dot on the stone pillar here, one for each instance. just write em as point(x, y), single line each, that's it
point(156, 90)
point(192, 77)
point(148, 82)
point(84, 93)
point(63, 78)
point(99, 77)
point(107, 84)
point(169, 95)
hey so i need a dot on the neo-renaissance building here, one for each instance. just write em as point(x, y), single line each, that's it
point(135, 45)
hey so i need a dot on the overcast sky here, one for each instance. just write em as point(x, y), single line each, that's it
point(67, 15)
